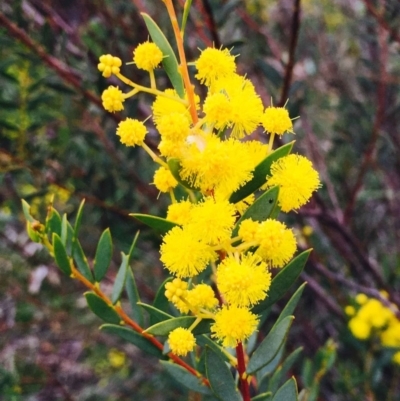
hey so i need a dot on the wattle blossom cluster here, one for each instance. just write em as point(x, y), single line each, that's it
point(213, 162)
point(370, 318)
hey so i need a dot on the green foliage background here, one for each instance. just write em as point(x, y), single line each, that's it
point(56, 138)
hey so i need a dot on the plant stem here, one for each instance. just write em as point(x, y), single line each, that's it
point(244, 385)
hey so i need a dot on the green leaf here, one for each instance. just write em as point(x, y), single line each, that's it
point(260, 173)
point(165, 327)
point(53, 223)
point(156, 315)
point(175, 168)
point(270, 346)
point(101, 308)
point(263, 397)
point(132, 337)
point(134, 299)
point(261, 209)
point(220, 378)
point(103, 255)
point(288, 392)
point(160, 301)
point(182, 376)
point(280, 373)
point(291, 305)
point(78, 219)
point(81, 261)
point(159, 224)
point(204, 340)
point(60, 254)
point(27, 211)
point(132, 248)
point(170, 63)
point(185, 15)
point(120, 279)
point(283, 281)
point(64, 229)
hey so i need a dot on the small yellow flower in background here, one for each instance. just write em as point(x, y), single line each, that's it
point(307, 231)
point(213, 64)
point(131, 132)
point(176, 292)
point(180, 212)
point(361, 299)
point(360, 328)
point(277, 243)
point(147, 56)
point(109, 65)
point(116, 358)
point(350, 310)
point(396, 358)
point(233, 325)
point(184, 254)
point(202, 296)
point(181, 341)
point(276, 120)
point(164, 180)
point(174, 127)
point(113, 99)
point(390, 337)
point(297, 180)
point(243, 281)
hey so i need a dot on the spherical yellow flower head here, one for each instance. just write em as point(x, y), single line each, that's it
point(213, 64)
point(164, 106)
point(276, 120)
point(174, 127)
point(248, 230)
point(220, 166)
point(396, 358)
point(168, 148)
point(180, 212)
point(243, 205)
point(243, 281)
point(164, 180)
point(212, 220)
point(350, 310)
point(176, 292)
point(147, 56)
point(184, 254)
point(116, 358)
point(391, 336)
point(246, 105)
point(375, 313)
point(109, 65)
point(113, 99)
point(131, 132)
point(277, 243)
point(181, 341)
point(297, 180)
point(361, 299)
point(218, 110)
point(202, 297)
point(233, 325)
point(359, 328)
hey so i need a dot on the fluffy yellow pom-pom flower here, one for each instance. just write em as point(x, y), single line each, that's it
point(112, 99)
point(277, 243)
point(164, 106)
point(202, 296)
point(109, 65)
point(147, 56)
point(164, 180)
point(218, 110)
point(184, 254)
point(180, 212)
point(245, 281)
point(181, 341)
point(297, 180)
point(131, 132)
point(214, 63)
point(276, 120)
point(174, 127)
point(176, 292)
point(360, 328)
point(233, 325)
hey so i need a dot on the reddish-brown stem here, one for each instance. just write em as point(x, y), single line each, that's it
point(244, 384)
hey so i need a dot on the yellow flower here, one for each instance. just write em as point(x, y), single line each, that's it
point(361, 299)
point(350, 310)
point(391, 336)
point(116, 358)
point(174, 127)
point(131, 132)
point(277, 243)
point(233, 325)
point(147, 56)
point(164, 180)
point(202, 296)
point(109, 65)
point(164, 106)
point(276, 120)
point(214, 63)
point(112, 99)
point(212, 220)
point(243, 205)
point(243, 281)
point(180, 212)
point(176, 292)
point(396, 358)
point(360, 328)
point(169, 148)
point(297, 180)
point(248, 230)
point(218, 110)
point(184, 254)
point(181, 341)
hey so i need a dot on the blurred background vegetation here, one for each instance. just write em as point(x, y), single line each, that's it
point(336, 61)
